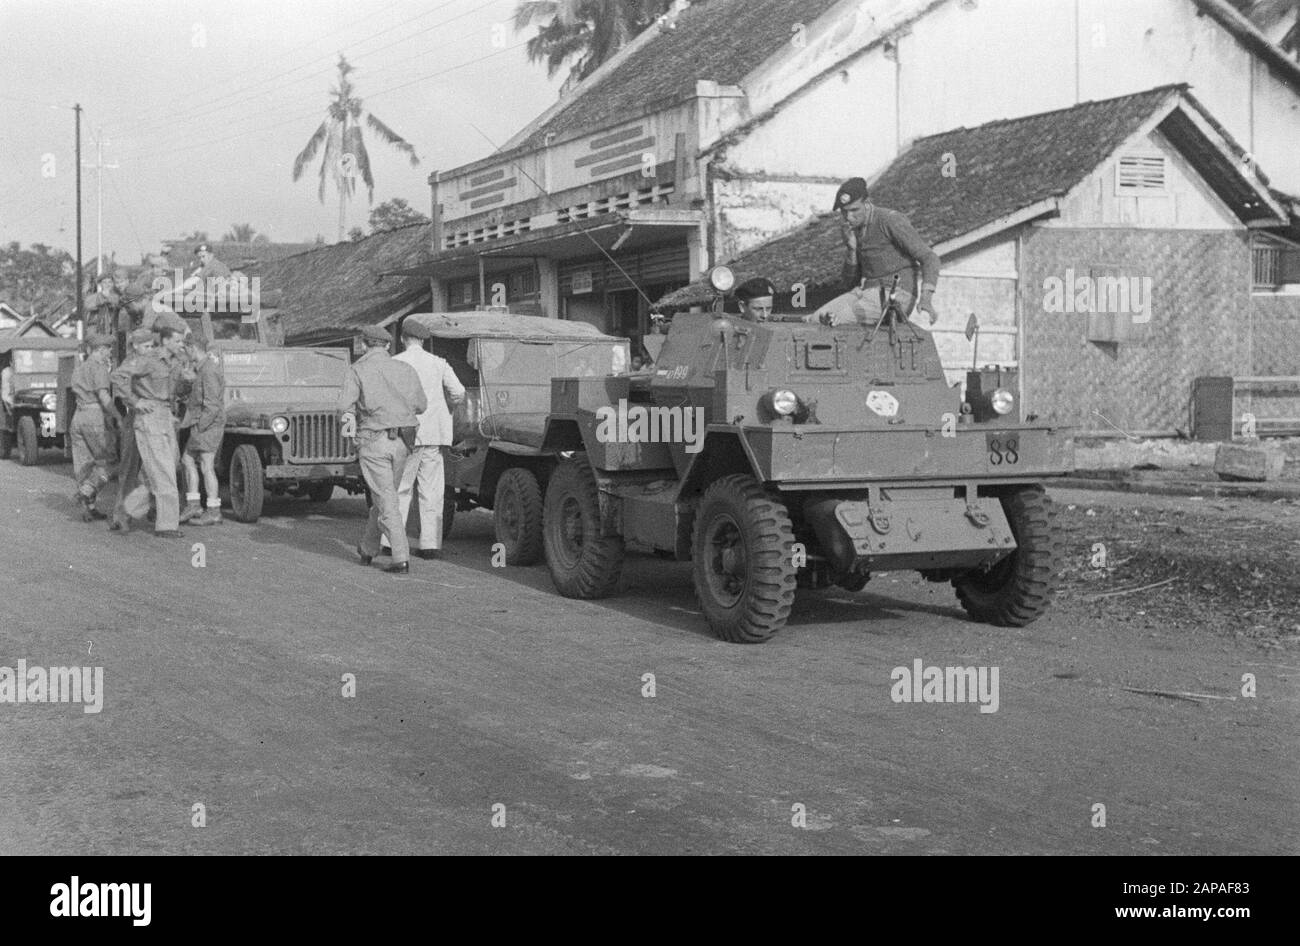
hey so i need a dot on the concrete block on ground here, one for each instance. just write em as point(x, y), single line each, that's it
point(1252, 462)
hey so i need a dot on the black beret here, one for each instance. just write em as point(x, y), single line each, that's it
point(855, 188)
point(755, 289)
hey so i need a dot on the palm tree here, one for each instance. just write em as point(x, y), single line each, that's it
point(345, 147)
point(593, 30)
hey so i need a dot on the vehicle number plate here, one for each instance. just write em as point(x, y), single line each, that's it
point(1003, 447)
point(47, 423)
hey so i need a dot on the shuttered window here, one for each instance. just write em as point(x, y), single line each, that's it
point(1141, 174)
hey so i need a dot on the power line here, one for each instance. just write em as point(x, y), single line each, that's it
point(328, 56)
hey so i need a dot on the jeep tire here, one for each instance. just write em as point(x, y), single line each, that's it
point(517, 516)
point(743, 561)
point(28, 446)
point(583, 562)
point(247, 492)
point(1018, 589)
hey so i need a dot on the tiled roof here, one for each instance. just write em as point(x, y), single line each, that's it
point(722, 40)
point(995, 170)
point(242, 256)
point(339, 287)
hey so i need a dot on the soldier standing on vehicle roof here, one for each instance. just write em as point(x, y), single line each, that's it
point(881, 243)
point(88, 432)
point(381, 399)
point(442, 390)
point(150, 391)
point(102, 304)
point(205, 418)
point(755, 298)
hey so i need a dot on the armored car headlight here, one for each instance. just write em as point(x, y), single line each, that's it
point(1002, 400)
point(279, 425)
point(50, 401)
point(784, 402)
point(722, 278)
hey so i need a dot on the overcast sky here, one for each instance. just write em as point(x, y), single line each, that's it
point(205, 105)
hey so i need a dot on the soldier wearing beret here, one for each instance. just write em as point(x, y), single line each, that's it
point(381, 400)
point(89, 428)
point(755, 298)
point(880, 244)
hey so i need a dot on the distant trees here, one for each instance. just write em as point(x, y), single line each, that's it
point(240, 233)
point(394, 213)
point(591, 30)
point(36, 279)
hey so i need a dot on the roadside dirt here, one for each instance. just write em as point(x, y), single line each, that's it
point(1232, 566)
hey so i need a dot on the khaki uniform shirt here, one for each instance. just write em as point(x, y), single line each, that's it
point(89, 378)
point(382, 392)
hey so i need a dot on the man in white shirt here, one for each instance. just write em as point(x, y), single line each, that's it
point(443, 391)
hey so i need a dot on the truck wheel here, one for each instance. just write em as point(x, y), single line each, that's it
point(583, 563)
point(517, 516)
point(246, 488)
point(6, 444)
point(28, 446)
point(1018, 589)
point(743, 561)
point(320, 492)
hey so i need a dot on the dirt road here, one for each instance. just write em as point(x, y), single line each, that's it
point(482, 696)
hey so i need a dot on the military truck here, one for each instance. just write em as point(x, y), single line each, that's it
point(42, 407)
point(283, 434)
point(506, 363)
point(775, 456)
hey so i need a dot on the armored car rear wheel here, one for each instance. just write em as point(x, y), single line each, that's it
point(743, 560)
point(28, 445)
point(246, 488)
point(517, 516)
point(583, 562)
point(1019, 588)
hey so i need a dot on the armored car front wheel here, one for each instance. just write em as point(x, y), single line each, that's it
point(584, 563)
point(743, 560)
point(1019, 588)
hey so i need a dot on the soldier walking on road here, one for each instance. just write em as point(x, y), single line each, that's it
point(149, 384)
point(89, 429)
point(443, 391)
point(205, 417)
point(381, 401)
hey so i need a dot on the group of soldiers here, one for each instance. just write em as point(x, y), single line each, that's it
point(168, 386)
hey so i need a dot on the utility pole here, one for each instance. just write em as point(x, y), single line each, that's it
point(99, 167)
point(80, 313)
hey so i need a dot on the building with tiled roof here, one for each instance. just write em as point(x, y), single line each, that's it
point(1114, 252)
point(735, 120)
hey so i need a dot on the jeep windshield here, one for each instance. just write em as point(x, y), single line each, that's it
point(529, 362)
point(36, 362)
point(285, 367)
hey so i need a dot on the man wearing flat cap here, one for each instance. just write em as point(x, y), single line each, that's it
point(442, 392)
point(89, 428)
point(755, 298)
point(382, 400)
point(880, 244)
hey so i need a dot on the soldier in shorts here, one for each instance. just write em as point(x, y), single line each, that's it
point(205, 417)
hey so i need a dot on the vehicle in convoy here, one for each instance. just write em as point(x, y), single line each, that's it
point(506, 363)
point(283, 434)
point(42, 369)
point(777, 456)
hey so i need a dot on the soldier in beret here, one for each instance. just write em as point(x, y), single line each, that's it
point(381, 400)
point(881, 243)
point(755, 298)
point(89, 428)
